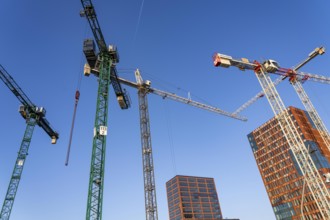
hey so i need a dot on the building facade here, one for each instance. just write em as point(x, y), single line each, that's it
point(282, 177)
point(192, 197)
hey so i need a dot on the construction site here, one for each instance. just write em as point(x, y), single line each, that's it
point(165, 110)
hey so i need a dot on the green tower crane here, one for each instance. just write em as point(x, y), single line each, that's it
point(33, 115)
point(105, 60)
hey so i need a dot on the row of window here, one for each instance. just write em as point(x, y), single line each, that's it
point(285, 197)
point(284, 189)
point(277, 167)
point(196, 179)
point(266, 127)
point(209, 185)
point(281, 181)
point(198, 199)
point(266, 160)
point(196, 216)
point(271, 146)
point(200, 210)
point(198, 205)
point(280, 173)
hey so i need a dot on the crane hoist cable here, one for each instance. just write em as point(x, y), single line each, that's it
point(77, 96)
point(170, 136)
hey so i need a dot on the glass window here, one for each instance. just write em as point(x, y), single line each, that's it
point(197, 210)
point(201, 184)
point(206, 205)
point(184, 189)
point(186, 205)
point(182, 179)
point(193, 189)
point(184, 194)
point(188, 215)
point(187, 210)
point(205, 199)
point(191, 179)
point(217, 216)
point(194, 199)
point(209, 181)
point(183, 184)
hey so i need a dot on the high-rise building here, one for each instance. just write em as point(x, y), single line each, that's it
point(287, 191)
point(192, 197)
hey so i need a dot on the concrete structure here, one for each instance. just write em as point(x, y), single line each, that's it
point(279, 170)
point(192, 198)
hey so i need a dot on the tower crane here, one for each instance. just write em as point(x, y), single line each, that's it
point(34, 116)
point(312, 177)
point(144, 88)
point(301, 76)
point(296, 79)
point(105, 59)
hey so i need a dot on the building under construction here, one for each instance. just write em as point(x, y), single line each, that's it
point(282, 177)
point(192, 197)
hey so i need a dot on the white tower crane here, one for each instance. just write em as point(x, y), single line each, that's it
point(296, 79)
point(313, 179)
point(148, 167)
point(144, 88)
point(302, 77)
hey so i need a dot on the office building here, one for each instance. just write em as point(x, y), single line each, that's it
point(192, 197)
point(279, 170)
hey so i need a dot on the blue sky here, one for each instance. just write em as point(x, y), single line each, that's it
point(41, 47)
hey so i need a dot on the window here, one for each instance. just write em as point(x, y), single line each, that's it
point(188, 215)
point(183, 184)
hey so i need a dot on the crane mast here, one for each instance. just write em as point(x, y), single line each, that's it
point(18, 168)
point(105, 61)
point(33, 116)
point(147, 158)
point(313, 179)
point(312, 112)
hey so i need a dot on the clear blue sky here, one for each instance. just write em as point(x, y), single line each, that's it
point(41, 47)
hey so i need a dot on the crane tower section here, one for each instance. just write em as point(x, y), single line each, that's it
point(147, 157)
point(104, 63)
